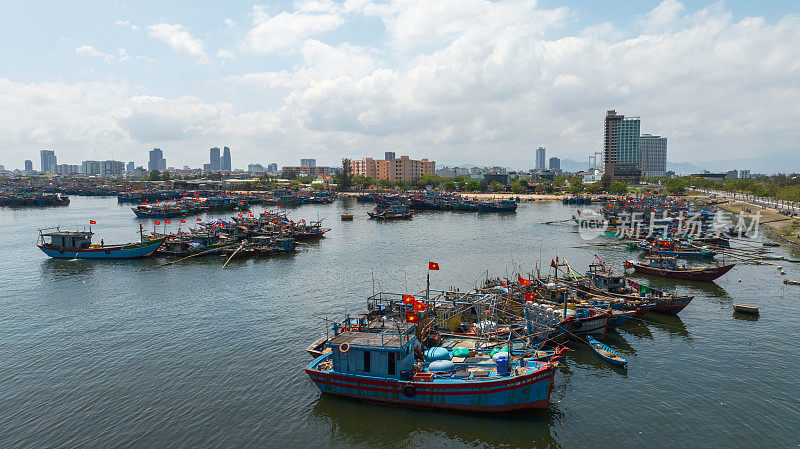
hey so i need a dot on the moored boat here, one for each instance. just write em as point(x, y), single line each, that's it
point(606, 353)
point(78, 245)
point(669, 267)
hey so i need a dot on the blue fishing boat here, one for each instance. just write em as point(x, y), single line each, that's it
point(395, 211)
point(606, 353)
point(78, 245)
point(498, 206)
point(158, 211)
point(380, 366)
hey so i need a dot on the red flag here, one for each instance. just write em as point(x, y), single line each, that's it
point(92, 222)
point(198, 219)
point(158, 222)
point(433, 266)
point(251, 215)
point(240, 215)
point(552, 263)
point(419, 306)
point(408, 299)
point(523, 281)
point(167, 222)
point(411, 317)
point(183, 221)
point(530, 297)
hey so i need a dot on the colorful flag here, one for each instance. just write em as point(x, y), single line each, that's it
point(408, 299)
point(552, 263)
point(523, 281)
point(433, 266)
point(240, 215)
point(419, 306)
point(92, 222)
point(167, 222)
point(411, 317)
point(530, 297)
point(198, 219)
point(183, 221)
point(158, 222)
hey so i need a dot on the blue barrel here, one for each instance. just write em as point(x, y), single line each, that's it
point(503, 368)
point(437, 353)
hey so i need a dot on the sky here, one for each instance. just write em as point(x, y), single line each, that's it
point(456, 81)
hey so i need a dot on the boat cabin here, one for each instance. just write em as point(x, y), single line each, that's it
point(605, 279)
point(665, 263)
point(67, 239)
point(389, 353)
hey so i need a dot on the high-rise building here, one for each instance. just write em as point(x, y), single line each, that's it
point(621, 146)
point(555, 164)
point(112, 168)
point(131, 167)
point(308, 162)
point(66, 169)
point(91, 167)
point(214, 162)
point(28, 165)
point(49, 161)
point(652, 155)
point(157, 161)
point(389, 155)
point(255, 168)
point(272, 168)
point(225, 162)
point(540, 155)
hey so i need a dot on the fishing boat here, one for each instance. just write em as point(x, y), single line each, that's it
point(745, 308)
point(158, 211)
point(78, 245)
point(393, 212)
point(260, 246)
point(791, 282)
point(668, 267)
point(382, 367)
point(606, 353)
point(671, 248)
point(498, 206)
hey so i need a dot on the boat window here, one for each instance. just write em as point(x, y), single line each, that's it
point(366, 361)
point(392, 368)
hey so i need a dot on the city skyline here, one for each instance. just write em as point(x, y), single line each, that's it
point(465, 84)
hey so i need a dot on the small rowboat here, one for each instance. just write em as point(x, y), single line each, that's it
point(606, 353)
point(791, 282)
point(347, 217)
point(744, 308)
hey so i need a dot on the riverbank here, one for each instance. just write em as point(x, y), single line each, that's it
point(503, 195)
point(779, 226)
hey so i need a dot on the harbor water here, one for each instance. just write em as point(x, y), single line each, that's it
point(131, 354)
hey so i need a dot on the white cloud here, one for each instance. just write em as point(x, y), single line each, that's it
point(122, 55)
point(225, 54)
point(128, 24)
point(283, 32)
point(177, 37)
point(230, 24)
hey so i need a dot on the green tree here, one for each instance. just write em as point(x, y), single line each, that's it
point(618, 188)
point(518, 187)
point(472, 185)
point(155, 175)
point(592, 188)
point(165, 176)
point(344, 178)
point(496, 186)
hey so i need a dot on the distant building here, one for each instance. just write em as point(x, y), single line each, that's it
point(66, 169)
point(737, 174)
point(214, 163)
point(112, 168)
point(28, 165)
point(157, 161)
point(206, 167)
point(402, 168)
point(621, 146)
point(305, 170)
point(272, 168)
point(308, 162)
point(502, 178)
point(555, 164)
point(389, 155)
point(225, 161)
point(131, 167)
point(652, 155)
point(540, 155)
point(709, 175)
point(2, 168)
point(91, 168)
point(49, 161)
point(255, 168)
point(186, 168)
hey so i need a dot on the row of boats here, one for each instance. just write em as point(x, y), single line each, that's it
point(433, 200)
point(32, 199)
point(278, 197)
point(492, 349)
point(244, 235)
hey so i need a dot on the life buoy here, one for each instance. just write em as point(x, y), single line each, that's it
point(344, 347)
point(409, 390)
point(577, 324)
point(354, 329)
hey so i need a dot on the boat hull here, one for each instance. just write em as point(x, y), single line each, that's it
point(529, 391)
point(705, 274)
point(131, 251)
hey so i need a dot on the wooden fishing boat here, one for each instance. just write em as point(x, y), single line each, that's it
point(606, 353)
point(791, 282)
point(347, 217)
point(745, 308)
point(669, 267)
point(158, 211)
point(671, 249)
point(60, 244)
point(382, 368)
point(394, 212)
point(498, 206)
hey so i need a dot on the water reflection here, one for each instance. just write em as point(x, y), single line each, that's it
point(58, 268)
point(638, 328)
point(744, 316)
point(347, 421)
point(670, 323)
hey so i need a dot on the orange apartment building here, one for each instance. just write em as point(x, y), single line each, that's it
point(402, 168)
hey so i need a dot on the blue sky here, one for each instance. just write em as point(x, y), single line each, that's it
point(466, 81)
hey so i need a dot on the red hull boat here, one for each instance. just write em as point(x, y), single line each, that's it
point(665, 267)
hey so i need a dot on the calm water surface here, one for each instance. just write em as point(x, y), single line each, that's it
point(132, 354)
